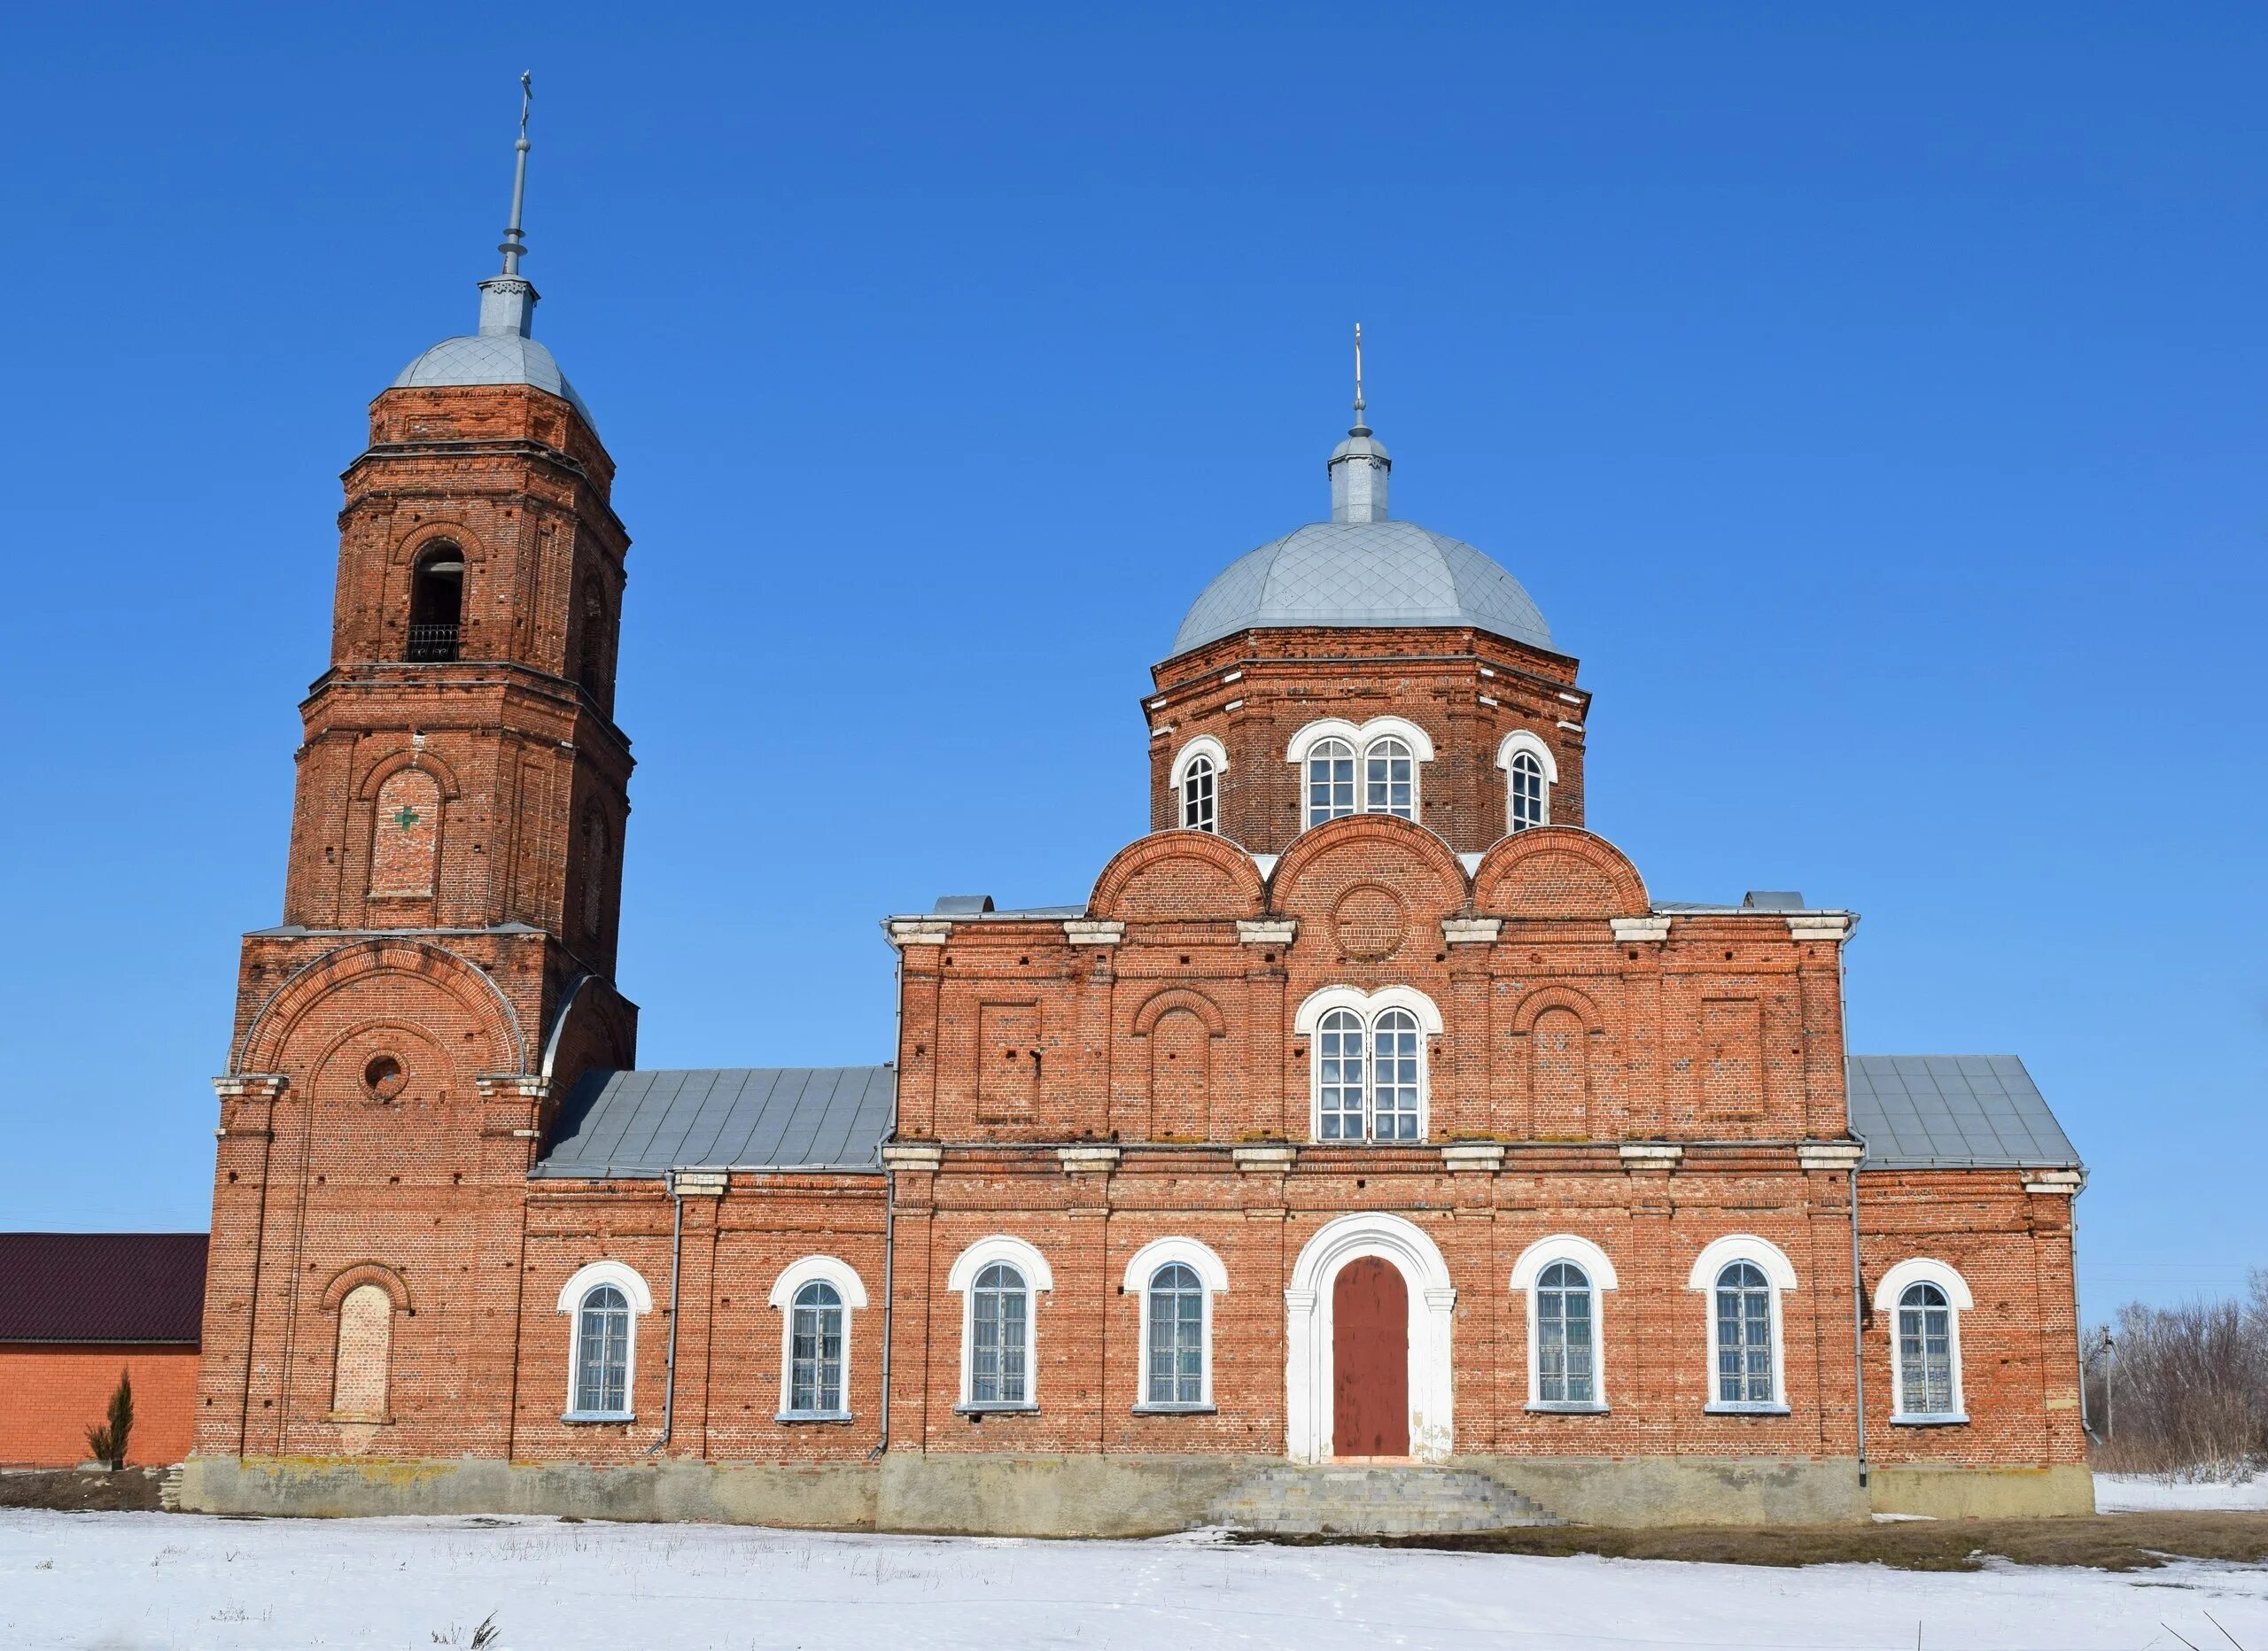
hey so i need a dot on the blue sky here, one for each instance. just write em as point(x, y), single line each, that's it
point(1873, 404)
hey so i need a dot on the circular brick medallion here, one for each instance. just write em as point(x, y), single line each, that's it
point(384, 1078)
point(1369, 922)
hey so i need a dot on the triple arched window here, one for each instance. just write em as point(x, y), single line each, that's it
point(1367, 1052)
point(1371, 770)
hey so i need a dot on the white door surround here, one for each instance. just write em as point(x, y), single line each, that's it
point(1307, 1330)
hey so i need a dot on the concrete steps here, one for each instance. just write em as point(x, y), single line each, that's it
point(1372, 1499)
point(169, 1490)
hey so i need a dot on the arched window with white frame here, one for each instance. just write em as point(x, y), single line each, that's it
point(816, 1297)
point(1564, 1277)
point(1374, 769)
point(1389, 778)
point(1331, 780)
point(996, 1278)
point(1368, 1053)
point(1530, 771)
point(1925, 1300)
point(1199, 804)
point(1175, 1281)
point(603, 1303)
point(1196, 782)
point(1743, 1279)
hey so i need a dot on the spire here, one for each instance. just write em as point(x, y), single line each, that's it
point(508, 300)
point(1361, 428)
point(1359, 464)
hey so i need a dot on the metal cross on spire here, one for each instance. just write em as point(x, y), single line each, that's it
point(1362, 427)
point(514, 245)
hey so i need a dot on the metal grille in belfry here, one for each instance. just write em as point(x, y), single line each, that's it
point(429, 643)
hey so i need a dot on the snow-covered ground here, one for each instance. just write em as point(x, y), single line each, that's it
point(2145, 1492)
point(108, 1582)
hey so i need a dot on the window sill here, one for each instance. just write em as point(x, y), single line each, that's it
point(1564, 1408)
point(1744, 1410)
point(790, 1416)
point(992, 1409)
point(1947, 1421)
point(1175, 1410)
point(580, 1416)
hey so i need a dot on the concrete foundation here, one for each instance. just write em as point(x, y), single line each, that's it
point(1984, 1492)
point(1105, 1496)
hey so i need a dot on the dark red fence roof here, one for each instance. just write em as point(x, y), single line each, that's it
point(102, 1287)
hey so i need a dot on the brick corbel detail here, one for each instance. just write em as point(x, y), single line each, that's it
point(2057, 1183)
point(1470, 931)
point(1267, 931)
point(248, 1102)
point(924, 1157)
point(1087, 1160)
point(698, 1184)
point(1474, 1156)
point(511, 1103)
point(1275, 1157)
point(1630, 931)
point(1092, 932)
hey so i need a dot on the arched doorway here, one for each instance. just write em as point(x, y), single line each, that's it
point(1313, 1340)
point(1370, 1360)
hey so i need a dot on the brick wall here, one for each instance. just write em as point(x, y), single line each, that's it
point(56, 1393)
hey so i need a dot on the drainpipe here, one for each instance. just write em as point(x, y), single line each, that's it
point(1858, 1337)
point(890, 1204)
point(669, 1373)
point(889, 1295)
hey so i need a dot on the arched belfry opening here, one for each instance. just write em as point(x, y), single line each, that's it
point(436, 605)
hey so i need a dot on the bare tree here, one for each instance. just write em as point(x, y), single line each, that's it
point(2182, 1390)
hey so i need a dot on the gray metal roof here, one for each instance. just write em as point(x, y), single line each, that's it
point(492, 358)
point(1954, 1111)
point(642, 1124)
point(1343, 574)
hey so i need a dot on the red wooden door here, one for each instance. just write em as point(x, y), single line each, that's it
point(1370, 1361)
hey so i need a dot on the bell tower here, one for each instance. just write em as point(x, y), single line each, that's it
point(445, 968)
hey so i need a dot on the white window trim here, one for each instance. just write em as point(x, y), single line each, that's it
point(1143, 1266)
point(1923, 1270)
point(1779, 1273)
point(968, 1266)
point(848, 1285)
point(1521, 740)
point(1308, 1332)
point(634, 1288)
point(1368, 1005)
point(1600, 1271)
point(1360, 738)
point(1203, 745)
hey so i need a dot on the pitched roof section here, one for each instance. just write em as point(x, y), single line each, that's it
point(123, 1288)
point(644, 1123)
point(1954, 1111)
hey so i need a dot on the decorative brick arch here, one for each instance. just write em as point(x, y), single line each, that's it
point(361, 1272)
point(419, 539)
point(1174, 997)
point(1177, 874)
point(444, 777)
point(1369, 888)
point(1557, 871)
point(261, 1047)
point(1544, 997)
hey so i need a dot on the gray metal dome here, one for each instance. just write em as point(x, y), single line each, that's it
point(1345, 574)
point(492, 358)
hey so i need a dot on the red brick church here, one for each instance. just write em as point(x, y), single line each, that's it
point(1369, 1148)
